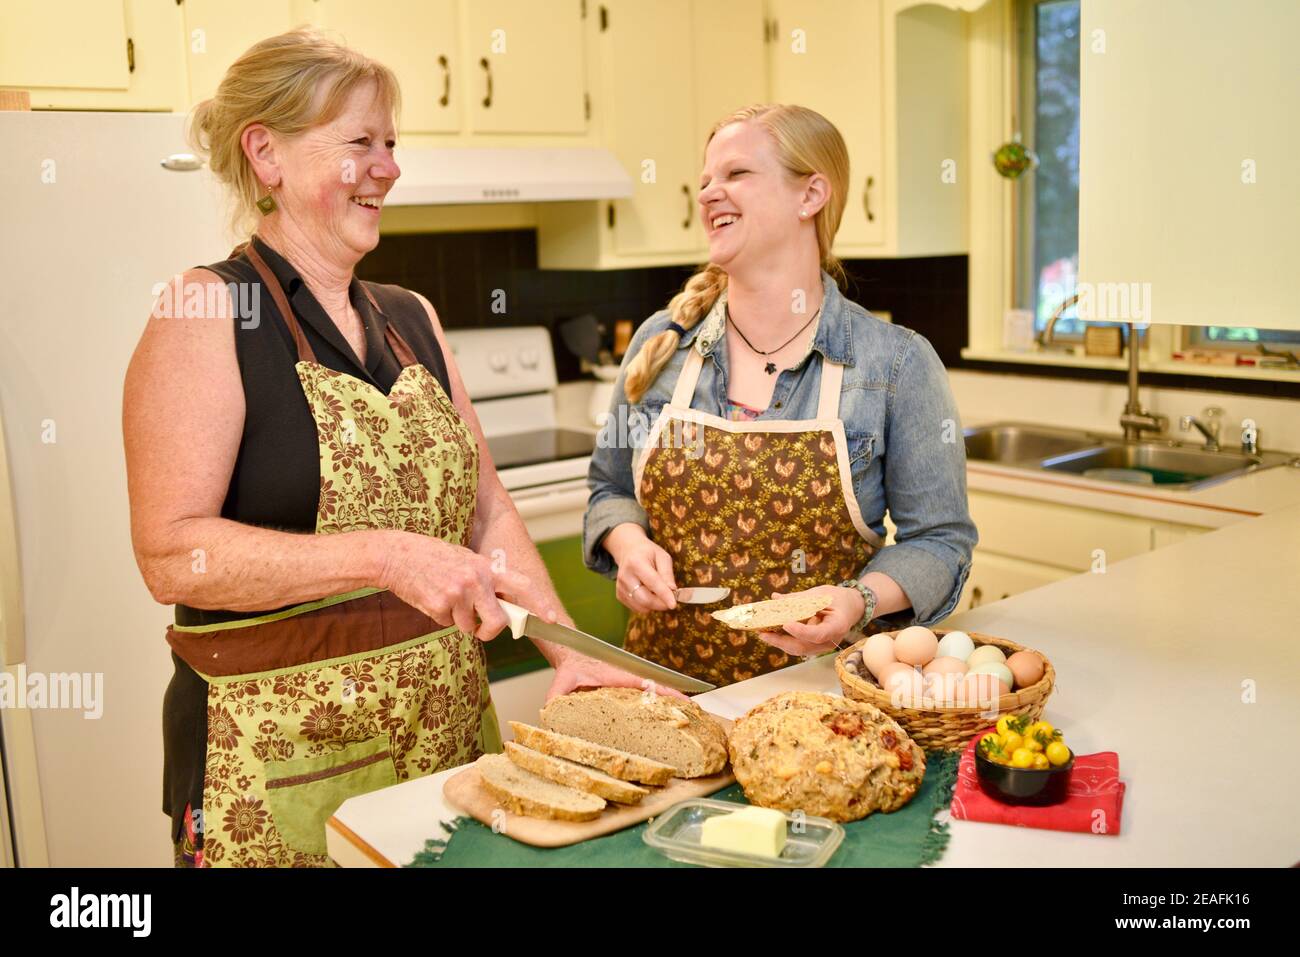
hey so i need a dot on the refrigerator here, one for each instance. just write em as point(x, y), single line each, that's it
point(93, 222)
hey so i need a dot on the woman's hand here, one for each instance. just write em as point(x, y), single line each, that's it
point(455, 586)
point(826, 630)
point(578, 671)
point(645, 571)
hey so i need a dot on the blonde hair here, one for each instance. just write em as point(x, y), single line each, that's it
point(276, 83)
point(806, 143)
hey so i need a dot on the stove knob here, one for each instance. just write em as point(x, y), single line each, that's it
point(529, 358)
point(498, 361)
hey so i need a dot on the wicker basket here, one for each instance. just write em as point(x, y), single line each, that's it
point(949, 728)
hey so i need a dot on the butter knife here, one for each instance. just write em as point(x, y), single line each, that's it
point(700, 596)
point(523, 622)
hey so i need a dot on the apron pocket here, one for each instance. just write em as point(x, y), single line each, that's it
point(305, 792)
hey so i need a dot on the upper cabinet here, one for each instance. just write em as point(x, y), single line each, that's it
point(525, 66)
point(891, 76)
point(1187, 160)
point(663, 75)
point(217, 32)
point(424, 53)
point(94, 54)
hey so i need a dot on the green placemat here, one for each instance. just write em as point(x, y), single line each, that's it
point(910, 837)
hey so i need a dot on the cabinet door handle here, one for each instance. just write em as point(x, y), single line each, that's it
point(866, 198)
point(690, 207)
point(130, 55)
point(487, 69)
point(976, 596)
point(446, 81)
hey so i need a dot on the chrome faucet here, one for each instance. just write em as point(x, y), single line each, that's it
point(1134, 419)
point(1210, 428)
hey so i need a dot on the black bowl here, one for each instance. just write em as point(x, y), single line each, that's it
point(1023, 785)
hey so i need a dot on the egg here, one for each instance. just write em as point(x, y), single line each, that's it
point(916, 645)
point(905, 687)
point(995, 668)
point(984, 653)
point(944, 687)
point(945, 665)
point(955, 644)
point(1026, 667)
point(888, 669)
point(981, 689)
point(878, 651)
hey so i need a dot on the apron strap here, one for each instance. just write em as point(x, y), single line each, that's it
point(828, 404)
point(305, 353)
point(690, 374)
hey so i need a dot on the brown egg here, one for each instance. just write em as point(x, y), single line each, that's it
point(1026, 667)
point(916, 645)
point(889, 669)
point(943, 666)
point(981, 688)
point(878, 651)
point(943, 688)
point(905, 687)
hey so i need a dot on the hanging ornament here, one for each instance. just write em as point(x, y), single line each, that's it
point(1013, 158)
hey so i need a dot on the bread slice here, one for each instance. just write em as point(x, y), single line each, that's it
point(669, 730)
point(573, 775)
point(528, 794)
point(619, 764)
point(773, 613)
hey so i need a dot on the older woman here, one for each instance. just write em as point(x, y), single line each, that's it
point(787, 420)
point(311, 489)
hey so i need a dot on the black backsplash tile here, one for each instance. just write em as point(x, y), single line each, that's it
point(461, 272)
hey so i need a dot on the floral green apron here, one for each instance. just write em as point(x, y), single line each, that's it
point(333, 698)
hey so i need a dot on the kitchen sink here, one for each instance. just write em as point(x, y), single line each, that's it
point(1015, 443)
point(1089, 455)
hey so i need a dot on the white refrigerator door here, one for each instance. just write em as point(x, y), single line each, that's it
point(92, 221)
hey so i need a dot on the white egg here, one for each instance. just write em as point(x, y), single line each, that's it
point(995, 668)
point(955, 644)
point(985, 653)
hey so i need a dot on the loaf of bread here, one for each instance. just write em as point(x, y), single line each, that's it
point(773, 613)
point(531, 795)
point(619, 764)
point(824, 755)
point(669, 730)
point(573, 775)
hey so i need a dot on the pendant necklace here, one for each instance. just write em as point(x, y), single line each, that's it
point(770, 368)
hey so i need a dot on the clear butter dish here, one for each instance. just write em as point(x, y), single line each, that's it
point(810, 841)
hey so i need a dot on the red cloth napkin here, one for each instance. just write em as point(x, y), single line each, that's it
point(1093, 805)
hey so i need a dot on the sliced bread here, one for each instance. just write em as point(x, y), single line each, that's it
point(669, 730)
point(573, 775)
point(523, 792)
point(619, 764)
point(773, 613)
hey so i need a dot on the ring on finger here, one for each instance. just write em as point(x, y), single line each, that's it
point(638, 587)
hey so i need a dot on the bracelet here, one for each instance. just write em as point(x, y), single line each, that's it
point(869, 601)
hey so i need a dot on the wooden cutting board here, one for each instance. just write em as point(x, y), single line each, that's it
point(466, 792)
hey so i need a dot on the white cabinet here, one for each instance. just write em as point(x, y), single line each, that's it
point(892, 78)
point(418, 40)
point(1187, 159)
point(994, 577)
point(664, 73)
point(94, 54)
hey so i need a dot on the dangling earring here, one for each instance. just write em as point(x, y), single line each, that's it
point(267, 203)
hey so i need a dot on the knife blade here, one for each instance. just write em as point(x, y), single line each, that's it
point(700, 596)
point(523, 622)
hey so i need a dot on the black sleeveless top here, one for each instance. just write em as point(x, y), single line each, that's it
point(276, 477)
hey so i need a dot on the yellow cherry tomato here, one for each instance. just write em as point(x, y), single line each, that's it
point(1032, 744)
point(1058, 753)
point(1022, 758)
point(1011, 741)
point(1041, 727)
point(1003, 723)
point(1040, 762)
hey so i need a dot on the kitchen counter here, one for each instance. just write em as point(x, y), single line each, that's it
point(1182, 660)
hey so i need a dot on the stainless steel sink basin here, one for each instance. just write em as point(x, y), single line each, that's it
point(1013, 443)
point(1168, 465)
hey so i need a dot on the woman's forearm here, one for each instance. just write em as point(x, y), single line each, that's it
point(217, 563)
point(890, 596)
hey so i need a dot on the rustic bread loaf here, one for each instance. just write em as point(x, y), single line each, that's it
point(619, 764)
point(773, 613)
point(670, 730)
point(523, 792)
point(570, 774)
point(824, 755)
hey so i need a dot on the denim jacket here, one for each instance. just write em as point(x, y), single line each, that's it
point(905, 443)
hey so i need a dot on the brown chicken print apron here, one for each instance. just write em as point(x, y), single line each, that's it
point(333, 698)
point(756, 507)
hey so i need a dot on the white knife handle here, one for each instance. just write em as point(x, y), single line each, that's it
point(518, 618)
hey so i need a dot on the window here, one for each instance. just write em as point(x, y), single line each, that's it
point(1048, 253)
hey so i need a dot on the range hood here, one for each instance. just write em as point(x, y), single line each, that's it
point(441, 176)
